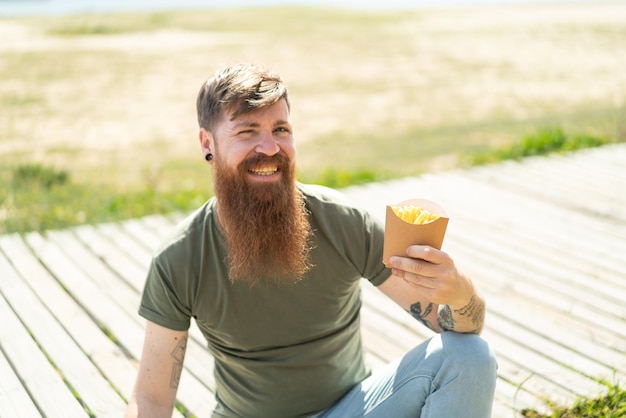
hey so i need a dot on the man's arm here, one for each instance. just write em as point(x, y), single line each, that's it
point(159, 373)
point(427, 284)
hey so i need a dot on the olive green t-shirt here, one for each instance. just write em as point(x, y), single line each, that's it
point(280, 351)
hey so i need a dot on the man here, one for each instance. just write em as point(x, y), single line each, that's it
point(270, 270)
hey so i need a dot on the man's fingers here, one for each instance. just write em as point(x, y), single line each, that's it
point(427, 253)
point(413, 266)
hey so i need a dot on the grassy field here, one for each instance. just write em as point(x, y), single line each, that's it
point(98, 120)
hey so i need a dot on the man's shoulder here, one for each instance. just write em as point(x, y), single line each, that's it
point(316, 193)
point(327, 203)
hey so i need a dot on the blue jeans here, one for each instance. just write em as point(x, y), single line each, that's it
point(450, 375)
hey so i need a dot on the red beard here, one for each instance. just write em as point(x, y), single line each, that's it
point(266, 225)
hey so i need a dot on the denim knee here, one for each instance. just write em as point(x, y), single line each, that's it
point(468, 352)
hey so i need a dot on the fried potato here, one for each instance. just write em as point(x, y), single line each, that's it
point(414, 214)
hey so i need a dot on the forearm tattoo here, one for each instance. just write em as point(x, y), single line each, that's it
point(445, 318)
point(177, 368)
point(474, 311)
point(416, 311)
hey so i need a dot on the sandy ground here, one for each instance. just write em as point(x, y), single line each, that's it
point(131, 96)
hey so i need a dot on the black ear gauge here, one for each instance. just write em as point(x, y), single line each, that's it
point(208, 157)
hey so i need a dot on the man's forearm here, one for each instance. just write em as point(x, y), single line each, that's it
point(467, 319)
point(139, 407)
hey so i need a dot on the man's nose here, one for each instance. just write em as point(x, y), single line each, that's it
point(267, 144)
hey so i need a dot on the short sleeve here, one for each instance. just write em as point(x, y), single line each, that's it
point(163, 300)
point(375, 271)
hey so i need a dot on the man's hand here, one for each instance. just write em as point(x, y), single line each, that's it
point(428, 285)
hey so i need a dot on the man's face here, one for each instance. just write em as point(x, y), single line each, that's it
point(259, 206)
point(243, 142)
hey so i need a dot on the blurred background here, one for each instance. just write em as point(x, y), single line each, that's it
point(97, 99)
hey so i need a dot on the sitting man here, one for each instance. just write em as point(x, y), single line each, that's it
point(270, 269)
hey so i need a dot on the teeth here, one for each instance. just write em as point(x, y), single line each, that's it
point(266, 171)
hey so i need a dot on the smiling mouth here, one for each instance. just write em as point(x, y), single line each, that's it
point(264, 171)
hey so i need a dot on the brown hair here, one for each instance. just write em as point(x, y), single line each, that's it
point(239, 89)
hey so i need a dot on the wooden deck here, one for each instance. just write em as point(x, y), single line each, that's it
point(544, 239)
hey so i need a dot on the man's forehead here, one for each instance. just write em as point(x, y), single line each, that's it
point(242, 123)
point(278, 111)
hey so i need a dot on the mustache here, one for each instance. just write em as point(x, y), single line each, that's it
point(280, 160)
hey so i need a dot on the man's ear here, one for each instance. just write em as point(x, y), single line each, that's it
point(206, 142)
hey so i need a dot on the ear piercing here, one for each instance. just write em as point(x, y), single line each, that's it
point(208, 157)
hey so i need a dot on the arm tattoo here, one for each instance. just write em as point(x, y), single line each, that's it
point(445, 319)
point(474, 311)
point(416, 312)
point(177, 368)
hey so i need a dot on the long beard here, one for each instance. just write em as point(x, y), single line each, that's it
point(266, 225)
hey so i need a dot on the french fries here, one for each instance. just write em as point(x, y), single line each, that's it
point(414, 215)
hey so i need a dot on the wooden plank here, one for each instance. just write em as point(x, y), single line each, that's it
point(120, 262)
point(385, 336)
point(474, 198)
point(516, 223)
point(586, 168)
point(555, 306)
point(115, 287)
point(123, 238)
point(127, 330)
point(45, 386)
point(471, 197)
point(76, 368)
point(89, 296)
point(557, 189)
point(376, 301)
point(161, 225)
point(542, 224)
point(555, 338)
point(142, 234)
point(567, 358)
point(512, 398)
point(385, 348)
point(551, 324)
point(496, 247)
point(518, 280)
point(15, 401)
point(102, 243)
point(500, 210)
point(119, 293)
point(556, 253)
point(111, 360)
point(535, 277)
point(522, 304)
point(532, 372)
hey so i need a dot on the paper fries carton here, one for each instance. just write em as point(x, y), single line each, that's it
point(400, 234)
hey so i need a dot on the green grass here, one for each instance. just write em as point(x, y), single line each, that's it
point(612, 405)
point(544, 141)
point(337, 178)
point(184, 411)
point(36, 197)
